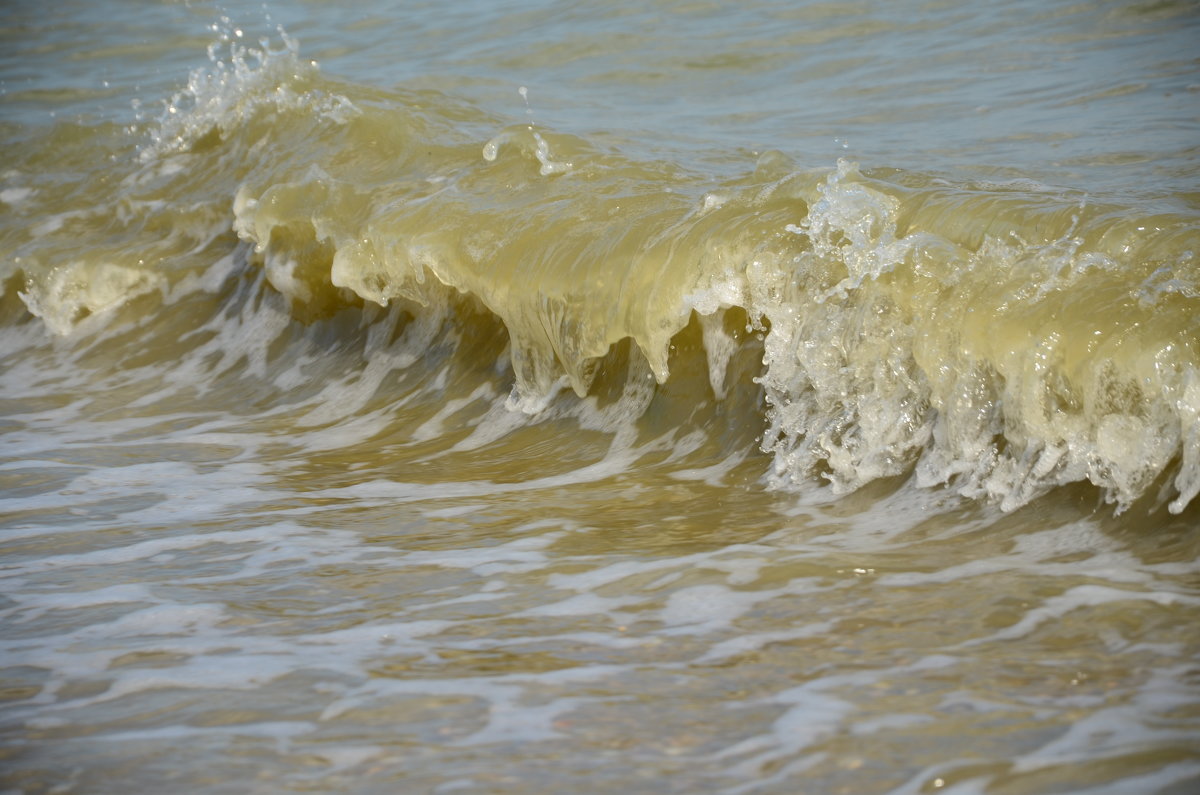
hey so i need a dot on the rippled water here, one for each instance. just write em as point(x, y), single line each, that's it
point(550, 397)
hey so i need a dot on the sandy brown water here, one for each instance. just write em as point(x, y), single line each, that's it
point(589, 398)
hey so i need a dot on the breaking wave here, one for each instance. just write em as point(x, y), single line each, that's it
point(997, 339)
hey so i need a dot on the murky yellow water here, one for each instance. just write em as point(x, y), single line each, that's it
point(671, 398)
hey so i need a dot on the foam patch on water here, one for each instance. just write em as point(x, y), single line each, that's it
point(15, 197)
point(420, 636)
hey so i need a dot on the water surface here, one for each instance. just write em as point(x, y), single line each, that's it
point(547, 397)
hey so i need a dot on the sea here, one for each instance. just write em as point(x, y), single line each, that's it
point(671, 396)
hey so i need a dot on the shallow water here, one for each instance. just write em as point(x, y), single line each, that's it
point(669, 397)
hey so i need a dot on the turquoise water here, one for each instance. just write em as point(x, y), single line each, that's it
point(583, 397)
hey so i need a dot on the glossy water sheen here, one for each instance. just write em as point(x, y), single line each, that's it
point(589, 397)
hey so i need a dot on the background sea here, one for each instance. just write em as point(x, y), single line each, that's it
point(542, 397)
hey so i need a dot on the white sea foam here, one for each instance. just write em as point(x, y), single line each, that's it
point(14, 197)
